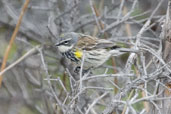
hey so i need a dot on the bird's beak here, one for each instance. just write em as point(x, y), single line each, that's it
point(57, 44)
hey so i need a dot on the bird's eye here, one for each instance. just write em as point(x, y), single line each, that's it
point(65, 42)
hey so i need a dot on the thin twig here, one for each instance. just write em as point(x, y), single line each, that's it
point(95, 101)
point(20, 59)
point(13, 37)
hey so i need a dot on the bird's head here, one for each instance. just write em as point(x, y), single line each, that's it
point(67, 41)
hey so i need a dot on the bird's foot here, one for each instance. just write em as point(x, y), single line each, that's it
point(77, 69)
point(84, 71)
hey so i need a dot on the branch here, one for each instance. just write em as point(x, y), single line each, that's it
point(13, 38)
point(19, 60)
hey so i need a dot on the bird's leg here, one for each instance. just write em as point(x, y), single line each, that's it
point(85, 71)
point(77, 69)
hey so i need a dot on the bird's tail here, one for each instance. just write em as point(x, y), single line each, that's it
point(128, 50)
point(119, 51)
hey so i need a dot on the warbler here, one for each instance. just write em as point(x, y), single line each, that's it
point(94, 51)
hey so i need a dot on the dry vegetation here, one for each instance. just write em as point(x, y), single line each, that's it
point(37, 79)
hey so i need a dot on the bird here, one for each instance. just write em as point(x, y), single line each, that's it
point(78, 47)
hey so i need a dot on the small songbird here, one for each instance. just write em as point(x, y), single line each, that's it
point(94, 51)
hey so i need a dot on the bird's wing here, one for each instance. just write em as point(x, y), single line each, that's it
point(87, 42)
point(103, 43)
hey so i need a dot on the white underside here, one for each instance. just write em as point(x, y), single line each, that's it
point(98, 58)
point(93, 58)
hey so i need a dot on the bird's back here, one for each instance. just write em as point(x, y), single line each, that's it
point(86, 42)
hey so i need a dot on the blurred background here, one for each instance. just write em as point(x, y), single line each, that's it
point(44, 83)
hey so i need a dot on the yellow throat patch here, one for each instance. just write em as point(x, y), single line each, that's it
point(78, 53)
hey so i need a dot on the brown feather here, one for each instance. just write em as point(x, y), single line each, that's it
point(86, 42)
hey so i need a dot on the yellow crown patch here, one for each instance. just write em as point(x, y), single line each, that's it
point(62, 35)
